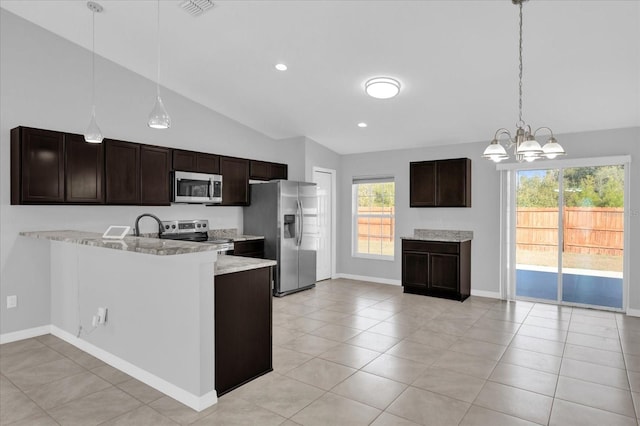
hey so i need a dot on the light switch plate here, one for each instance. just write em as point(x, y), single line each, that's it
point(12, 301)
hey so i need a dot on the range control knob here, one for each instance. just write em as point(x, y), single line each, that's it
point(173, 227)
point(166, 227)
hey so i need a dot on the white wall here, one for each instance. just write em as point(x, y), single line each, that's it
point(45, 82)
point(317, 155)
point(483, 218)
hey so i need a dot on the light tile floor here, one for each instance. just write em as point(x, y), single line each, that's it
point(351, 353)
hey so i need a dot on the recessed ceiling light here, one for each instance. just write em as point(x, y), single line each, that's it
point(362, 125)
point(382, 87)
point(281, 67)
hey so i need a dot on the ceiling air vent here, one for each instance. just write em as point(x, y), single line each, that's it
point(196, 7)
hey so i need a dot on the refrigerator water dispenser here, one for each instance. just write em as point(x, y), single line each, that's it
point(289, 226)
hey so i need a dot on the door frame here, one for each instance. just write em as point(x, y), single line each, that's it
point(331, 172)
point(508, 221)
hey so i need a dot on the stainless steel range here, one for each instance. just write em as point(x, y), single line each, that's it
point(196, 231)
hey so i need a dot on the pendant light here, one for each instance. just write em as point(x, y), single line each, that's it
point(159, 118)
point(93, 133)
point(526, 146)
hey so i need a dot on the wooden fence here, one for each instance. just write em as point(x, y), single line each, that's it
point(587, 230)
point(378, 226)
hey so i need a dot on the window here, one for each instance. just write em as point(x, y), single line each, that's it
point(373, 209)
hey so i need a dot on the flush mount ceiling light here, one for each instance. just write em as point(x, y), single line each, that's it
point(93, 133)
point(382, 87)
point(281, 67)
point(525, 145)
point(159, 117)
point(362, 125)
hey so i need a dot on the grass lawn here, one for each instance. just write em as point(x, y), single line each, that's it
point(570, 260)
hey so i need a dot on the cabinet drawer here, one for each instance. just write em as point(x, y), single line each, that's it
point(431, 246)
point(249, 248)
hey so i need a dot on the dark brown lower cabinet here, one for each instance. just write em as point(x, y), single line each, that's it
point(243, 332)
point(436, 268)
point(249, 248)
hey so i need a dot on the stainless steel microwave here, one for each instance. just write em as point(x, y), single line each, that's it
point(196, 188)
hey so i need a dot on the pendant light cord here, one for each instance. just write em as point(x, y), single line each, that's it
point(93, 62)
point(158, 52)
point(520, 121)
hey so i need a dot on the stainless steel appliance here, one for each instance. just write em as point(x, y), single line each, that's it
point(196, 188)
point(196, 231)
point(285, 212)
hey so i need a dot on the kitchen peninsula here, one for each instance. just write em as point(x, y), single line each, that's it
point(160, 301)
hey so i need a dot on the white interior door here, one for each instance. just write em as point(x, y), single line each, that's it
point(325, 180)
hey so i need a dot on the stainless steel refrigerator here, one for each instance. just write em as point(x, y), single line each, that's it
point(286, 213)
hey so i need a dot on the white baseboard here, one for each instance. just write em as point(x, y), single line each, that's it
point(489, 294)
point(370, 279)
point(24, 334)
point(633, 312)
point(198, 403)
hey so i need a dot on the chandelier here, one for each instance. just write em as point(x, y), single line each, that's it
point(524, 143)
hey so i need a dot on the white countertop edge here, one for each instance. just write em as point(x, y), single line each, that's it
point(227, 264)
point(438, 239)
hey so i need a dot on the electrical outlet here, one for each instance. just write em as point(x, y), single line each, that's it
point(12, 302)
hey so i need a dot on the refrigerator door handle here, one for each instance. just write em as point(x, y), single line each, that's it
point(300, 224)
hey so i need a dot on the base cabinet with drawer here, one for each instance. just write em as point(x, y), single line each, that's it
point(437, 268)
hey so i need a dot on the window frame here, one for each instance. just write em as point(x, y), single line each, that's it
point(354, 217)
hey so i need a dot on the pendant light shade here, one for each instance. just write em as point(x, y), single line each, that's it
point(552, 149)
point(93, 133)
point(495, 152)
point(159, 117)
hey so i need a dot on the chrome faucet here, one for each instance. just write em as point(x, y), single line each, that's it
point(136, 230)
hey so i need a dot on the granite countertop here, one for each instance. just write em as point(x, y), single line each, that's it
point(227, 264)
point(247, 238)
point(232, 233)
point(440, 235)
point(129, 243)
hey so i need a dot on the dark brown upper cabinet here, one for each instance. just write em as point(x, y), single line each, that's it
point(122, 172)
point(263, 170)
point(155, 169)
point(84, 171)
point(235, 181)
point(440, 183)
point(37, 166)
point(191, 161)
point(50, 167)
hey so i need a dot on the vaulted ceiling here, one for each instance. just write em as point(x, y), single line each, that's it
point(457, 62)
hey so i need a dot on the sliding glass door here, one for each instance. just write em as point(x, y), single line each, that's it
point(569, 235)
